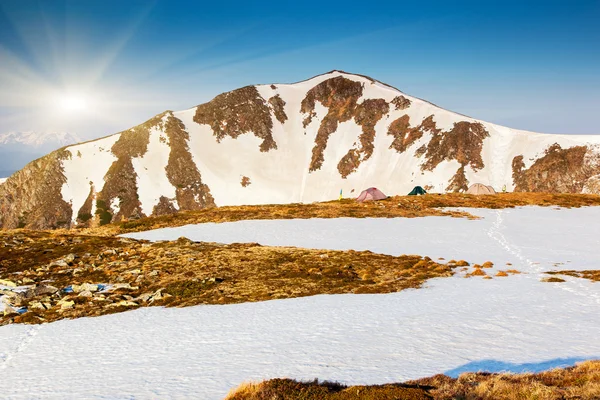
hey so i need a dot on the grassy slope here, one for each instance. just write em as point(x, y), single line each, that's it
point(191, 273)
point(398, 206)
point(580, 382)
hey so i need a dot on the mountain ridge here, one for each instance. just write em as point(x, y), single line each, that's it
point(284, 143)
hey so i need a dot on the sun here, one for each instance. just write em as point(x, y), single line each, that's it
point(73, 102)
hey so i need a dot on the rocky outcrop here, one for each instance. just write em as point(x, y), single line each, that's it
point(405, 136)
point(340, 96)
point(277, 104)
point(121, 179)
point(558, 170)
point(181, 170)
point(32, 197)
point(237, 112)
point(401, 103)
point(463, 143)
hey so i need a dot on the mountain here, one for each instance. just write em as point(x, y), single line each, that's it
point(38, 139)
point(19, 148)
point(284, 143)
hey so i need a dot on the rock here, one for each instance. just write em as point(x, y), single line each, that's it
point(85, 293)
point(8, 310)
point(59, 263)
point(125, 303)
point(8, 283)
point(159, 295)
point(85, 287)
point(27, 281)
point(216, 279)
point(41, 290)
point(36, 305)
point(145, 297)
point(65, 304)
point(135, 271)
point(69, 258)
point(153, 273)
point(126, 286)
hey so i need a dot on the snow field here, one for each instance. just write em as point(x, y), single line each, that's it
point(452, 325)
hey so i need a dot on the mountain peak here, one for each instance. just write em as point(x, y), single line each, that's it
point(39, 139)
point(290, 143)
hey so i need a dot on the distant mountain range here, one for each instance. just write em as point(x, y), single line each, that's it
point(19, 148)
point(284, 143)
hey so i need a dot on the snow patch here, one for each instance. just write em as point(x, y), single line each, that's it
point(87, 166)
point(151, 172)
point(451, 325)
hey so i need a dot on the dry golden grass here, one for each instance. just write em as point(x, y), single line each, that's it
point(195, 273)
point(553, 280)
point(593, 275)
point(398, 206)
point(280, 389)
point(581, 382)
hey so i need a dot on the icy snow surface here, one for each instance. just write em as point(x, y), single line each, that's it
point(2, 180)
point(452, 325)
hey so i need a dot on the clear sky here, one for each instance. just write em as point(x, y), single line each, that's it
point(97, 67)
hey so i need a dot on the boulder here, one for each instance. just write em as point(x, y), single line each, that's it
point(5, 282)
point(65, 304)
point(85, 287)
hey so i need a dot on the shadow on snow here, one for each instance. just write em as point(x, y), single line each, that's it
point(501, 366)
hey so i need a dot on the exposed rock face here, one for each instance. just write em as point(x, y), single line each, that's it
point(463, 143)
point(237, 112)
point(278, 105)
point(121, 178)
point(405, 136)
point(592, 185)
point(182, 172)
point(558, 170)
point(401, 102)
point(32, 197)
point(366, 114)
point(339, 95)
point(333, 132)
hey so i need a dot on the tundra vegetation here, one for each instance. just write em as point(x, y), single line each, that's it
point(581, 382)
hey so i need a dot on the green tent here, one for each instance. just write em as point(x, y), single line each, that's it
point(417, 190)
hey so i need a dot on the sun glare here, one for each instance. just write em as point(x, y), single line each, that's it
point(73, 102)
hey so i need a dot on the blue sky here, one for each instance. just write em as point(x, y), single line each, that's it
point(531, 65)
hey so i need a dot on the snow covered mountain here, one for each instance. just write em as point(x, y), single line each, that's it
point(19, 148)
point(286, 143)
point(38, 139)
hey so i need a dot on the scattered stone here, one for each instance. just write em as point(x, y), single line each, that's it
point(90, 287)
point(125, 303)
point(215, 280)
point(65, 304)
point(85, 293)
point(41, 290)
point(36, 305)
point(153, 273)
point(59, 263)
point(5, 282)
point(135, 271)
point(69, 258)
point(126, 286)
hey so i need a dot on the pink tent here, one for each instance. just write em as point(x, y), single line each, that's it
point(371, 194)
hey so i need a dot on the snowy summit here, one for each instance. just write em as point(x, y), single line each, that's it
point(287, 143)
